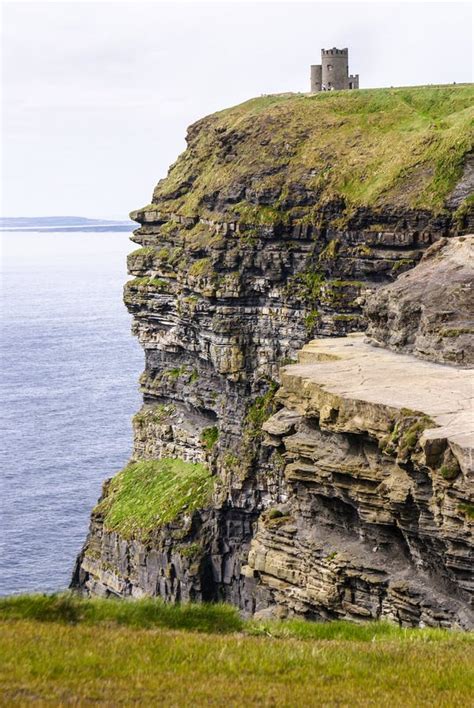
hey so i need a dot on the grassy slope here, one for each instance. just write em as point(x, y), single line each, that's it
point(375, 147)
point(147, 494)
point(68, 650)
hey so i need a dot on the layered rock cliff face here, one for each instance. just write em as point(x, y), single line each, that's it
point(276, 224)
point(430, 310)
point(378, 451)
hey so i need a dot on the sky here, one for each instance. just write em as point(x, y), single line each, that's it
point(97, 96)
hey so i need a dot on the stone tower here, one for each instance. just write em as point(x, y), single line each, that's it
point(333, 72)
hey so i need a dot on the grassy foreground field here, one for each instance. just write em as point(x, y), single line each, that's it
point(59, 650)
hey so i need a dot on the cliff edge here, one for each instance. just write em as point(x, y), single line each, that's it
point(279, 222)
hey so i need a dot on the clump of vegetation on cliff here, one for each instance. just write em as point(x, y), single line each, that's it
point(145, 282)
point(63, 648)
point(407, 431)
point(150, 493)
point(260, 410)
point(467, 510)
point(276, 157)
point(209, 437)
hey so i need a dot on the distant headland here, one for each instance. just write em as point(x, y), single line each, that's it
point(62, 224)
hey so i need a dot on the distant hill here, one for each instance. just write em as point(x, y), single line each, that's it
point(62, 223)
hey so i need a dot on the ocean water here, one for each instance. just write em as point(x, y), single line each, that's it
point(69, 371)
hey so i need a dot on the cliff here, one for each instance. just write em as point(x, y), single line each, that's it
point(275, 226)
point(429, 310)
point(378, 451)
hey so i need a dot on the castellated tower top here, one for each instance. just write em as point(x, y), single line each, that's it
point(333, 72)
point(334, 51)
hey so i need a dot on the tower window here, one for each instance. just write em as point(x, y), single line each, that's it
point(329, 67)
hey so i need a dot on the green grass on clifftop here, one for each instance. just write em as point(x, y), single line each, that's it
point(148, 494)
point(402, 146)
point(61, 649)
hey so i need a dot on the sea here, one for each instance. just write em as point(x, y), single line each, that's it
point(69, 388)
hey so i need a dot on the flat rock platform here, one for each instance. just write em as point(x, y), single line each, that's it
point(351, 368)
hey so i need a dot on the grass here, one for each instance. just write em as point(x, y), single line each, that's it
point(143, 251)
point(307, 285)
point(146, 282)
point(260, 410)
point(201, 268)
point(377, 147)
point(456, 332)
point(451, 471)
point(407, 431)
point(402, 263)
point(147, 494)
point(330, 252)
point(65, 650)
point(410, 437)
point(209, 437)
point(468, 510)
point(176, 373)
point(311, 320)
point(143, 614)
point(158, 413)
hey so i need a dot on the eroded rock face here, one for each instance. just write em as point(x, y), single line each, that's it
point(378, 516)
point(429, 310)
point(226, 290)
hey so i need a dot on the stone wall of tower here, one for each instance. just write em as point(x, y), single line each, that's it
point(354, 81)
point(335, 68)
point(316, 78)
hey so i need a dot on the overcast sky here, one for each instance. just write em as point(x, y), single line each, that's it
point(97, 95)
